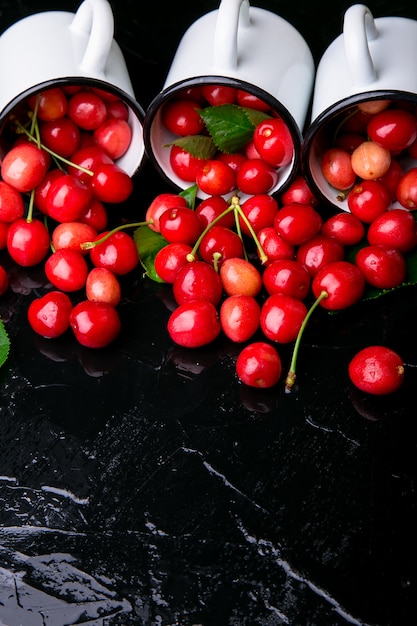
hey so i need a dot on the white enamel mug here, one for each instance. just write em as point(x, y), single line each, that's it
point(245, 47)
point(54, 48)
point(373, 59)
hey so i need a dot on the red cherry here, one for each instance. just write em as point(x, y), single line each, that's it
point(111, 184)
point(246, 99)
point(260, 211)
point(343, 283)
point(240, 277)
point(50, 104)
point(49, 315)
point(180, 225)
point(95, 216)
point(318, 252)
point(239, 317)
point(70, 235)
point(113, 136)
point(377, 370)
point(24, 166)
point(336, 166)
point(382, 266)
point(215, 178)
point(61, 136)
point(219, 94)
point(288, 277)
point(184, 164)
point(274, 142)
point(299, 192)
point(259, 365)
point(87, 109)
point(194, 324)
point(170, 259)
point(28, 242)
point(67, 270)
point(211, 208)
point(256, 176)
point(11, 203)
point(407, 189)
point(345, 227)
point(282, 317)
point(219, 244)
point(102, 285)
point(197, 280)
point(161, 203)
point(393, 129)
point(274, 246)
point(297, 223)
point(41, 191)
point(181, 117)
point(396, 228)
point(368, 199)
point(67, 199)
point(95, 324)
point(117, 253)
point(87, 158)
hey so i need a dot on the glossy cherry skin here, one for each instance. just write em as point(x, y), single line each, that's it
point(61, 136)
point(273, 141)
point(70, 235)
point(67, 270)
point(197, 280)
point(51, 104)
point(377, 370)
point(407, 189)
point(87, 110)
point(24, 166)
point(219, 244)
point(259, 365)
point(318, 252)
point(180, 225)
point(211, 208)
point(240, 277)
point(117, 253)
point(288, 277)
point(114, 137)
point(337, 168)
point(87, 158)
point(67, 199)
point(274, 246)
point(260, 210)
point(282, 317)
point(194, 324)
point(299, 192)
point(42, 190)
point(49, 315)
point(345, 228)
point(382, 266)
point(256, 176)
point(215, 178)
point(342, 281)
point(161, 203)
point(393, 129)
point(368, 199)
point(102, 285)
point(239, 317)
point(246, 99)
point(180, 116)
point(28, 243)
point(11, 203)
point(396, 228)
point(219, 94)
point(95, 324)
point(170, 259)
point(111, 184)
point(184, 164)
point(296, 223)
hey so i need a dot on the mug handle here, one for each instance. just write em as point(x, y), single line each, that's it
point(358, 29)
point(231, 15)
point(95, 19)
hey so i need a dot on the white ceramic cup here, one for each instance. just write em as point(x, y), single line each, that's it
point(373, 59)
point(54, 48)
point(244, 47)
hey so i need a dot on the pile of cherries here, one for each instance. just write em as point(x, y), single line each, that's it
point(59, 174)
point(254, 269)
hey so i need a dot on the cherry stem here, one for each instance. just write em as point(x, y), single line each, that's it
point(291, 376)
point(263, 257)
point(29, 216)
point(191, 256)
point(56, 156)
point(88, 245)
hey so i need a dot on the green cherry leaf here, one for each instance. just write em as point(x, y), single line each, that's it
point(190, 195)
point(148, 244)
point(199, 146)
point(231, 126)
point(4, 344)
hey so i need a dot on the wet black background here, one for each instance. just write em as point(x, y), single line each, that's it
point(142, 484)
